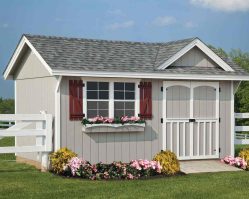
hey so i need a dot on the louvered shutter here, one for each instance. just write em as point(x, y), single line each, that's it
point(76, 99)
point(145, 100)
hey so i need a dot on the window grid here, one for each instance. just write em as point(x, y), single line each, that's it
point(97, 110)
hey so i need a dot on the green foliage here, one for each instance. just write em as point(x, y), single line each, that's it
point(7, 106)
point(4, 142)
point(60, 158)
point(168, 161)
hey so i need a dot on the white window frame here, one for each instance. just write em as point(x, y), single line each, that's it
point(97, 100)
point(111, 93)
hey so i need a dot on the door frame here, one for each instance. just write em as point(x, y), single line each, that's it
point(191, 85)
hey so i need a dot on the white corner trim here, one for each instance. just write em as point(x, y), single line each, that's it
point(232, 120)
point(19, 48)
point(57, 132)
point(203, 47)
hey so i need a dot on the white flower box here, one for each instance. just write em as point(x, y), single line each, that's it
point(111, 128)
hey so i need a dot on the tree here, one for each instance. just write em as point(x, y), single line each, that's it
point(7, 106)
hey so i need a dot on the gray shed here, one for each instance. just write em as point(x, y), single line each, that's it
point(188, 105)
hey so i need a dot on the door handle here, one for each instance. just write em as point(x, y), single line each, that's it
point(191, 120)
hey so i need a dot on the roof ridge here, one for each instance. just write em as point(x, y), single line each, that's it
point(111, 41)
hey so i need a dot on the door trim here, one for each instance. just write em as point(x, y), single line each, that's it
point(191, 85)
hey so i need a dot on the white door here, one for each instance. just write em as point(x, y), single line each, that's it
point(191, 119)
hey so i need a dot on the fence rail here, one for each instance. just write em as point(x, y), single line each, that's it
point(28, 125)
point(241, 138)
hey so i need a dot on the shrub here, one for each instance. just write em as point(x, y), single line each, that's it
point(244, 153)
point(168, 161)
point(60, 158)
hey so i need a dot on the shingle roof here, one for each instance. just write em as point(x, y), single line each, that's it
point(102, 55)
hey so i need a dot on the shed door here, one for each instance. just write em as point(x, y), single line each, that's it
point(191, 113)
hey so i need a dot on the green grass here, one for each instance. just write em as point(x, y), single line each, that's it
point(24, 181)
point(7, 141)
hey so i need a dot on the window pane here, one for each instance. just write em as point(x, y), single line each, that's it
point(118, 95)
point(130, 105)
point(118, 113)
point(92, 85)
point(92, 95)
point(103, 86)
point(118, 86)
point(129, 86)
point(92, 113)
point(129, 95)
point(92, 105)
point(129, 113)
point(103, 94)
point(103, 113)
point(118, 105)
point(103, 105)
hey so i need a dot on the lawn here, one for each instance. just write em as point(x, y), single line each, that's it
point(24, 181)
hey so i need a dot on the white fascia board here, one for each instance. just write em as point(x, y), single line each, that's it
point(20, 46)
point(204, 48)
point(141, 75)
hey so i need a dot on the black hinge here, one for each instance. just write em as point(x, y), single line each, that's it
point(219, 119)
point(219, 150)
point(161, 120)
point(83, 85)
point(161, 89)
point(191, 120)
point(219, 90)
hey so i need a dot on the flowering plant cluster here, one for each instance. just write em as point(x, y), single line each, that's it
point(117, 170)
point(235, 161)
point(106, 120)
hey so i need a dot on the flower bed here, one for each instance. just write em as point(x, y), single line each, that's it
point(235, 161)
point(116, 170)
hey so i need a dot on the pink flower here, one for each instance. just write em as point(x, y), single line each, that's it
point(74, 164)
point(134, 119)
point(125, 119)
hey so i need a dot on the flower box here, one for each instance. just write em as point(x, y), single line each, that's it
point(111, 128)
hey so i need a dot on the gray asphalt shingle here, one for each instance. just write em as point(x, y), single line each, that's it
point(102, 55)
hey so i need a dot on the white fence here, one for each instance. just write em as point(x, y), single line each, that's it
point(29, 125)
point(241, 138)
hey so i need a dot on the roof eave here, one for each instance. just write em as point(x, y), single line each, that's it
point(144, 75)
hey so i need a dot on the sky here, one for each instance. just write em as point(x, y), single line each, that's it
point(222, 23)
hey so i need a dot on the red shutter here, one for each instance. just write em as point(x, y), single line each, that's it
point(145, 100)
point(76, 99)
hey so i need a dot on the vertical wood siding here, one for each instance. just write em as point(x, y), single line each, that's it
point(108, 147)
point(195, 57)
point(34, 92)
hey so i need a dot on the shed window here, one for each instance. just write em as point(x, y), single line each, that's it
point(97, 99)
point(124, 99)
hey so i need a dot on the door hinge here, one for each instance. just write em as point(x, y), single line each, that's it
point(219, 150)
point(161, 120)
point(219, 119)
point(161, 89)
point(219, 89)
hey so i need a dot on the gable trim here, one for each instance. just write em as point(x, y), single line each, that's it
point(13, 59)
point(203, 47)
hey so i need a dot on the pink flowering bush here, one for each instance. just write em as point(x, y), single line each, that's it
point(146, 167)
point(106, 120)
point(235, 161)
point(116, 170)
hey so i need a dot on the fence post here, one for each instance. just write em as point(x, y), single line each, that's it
point(44, 155)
